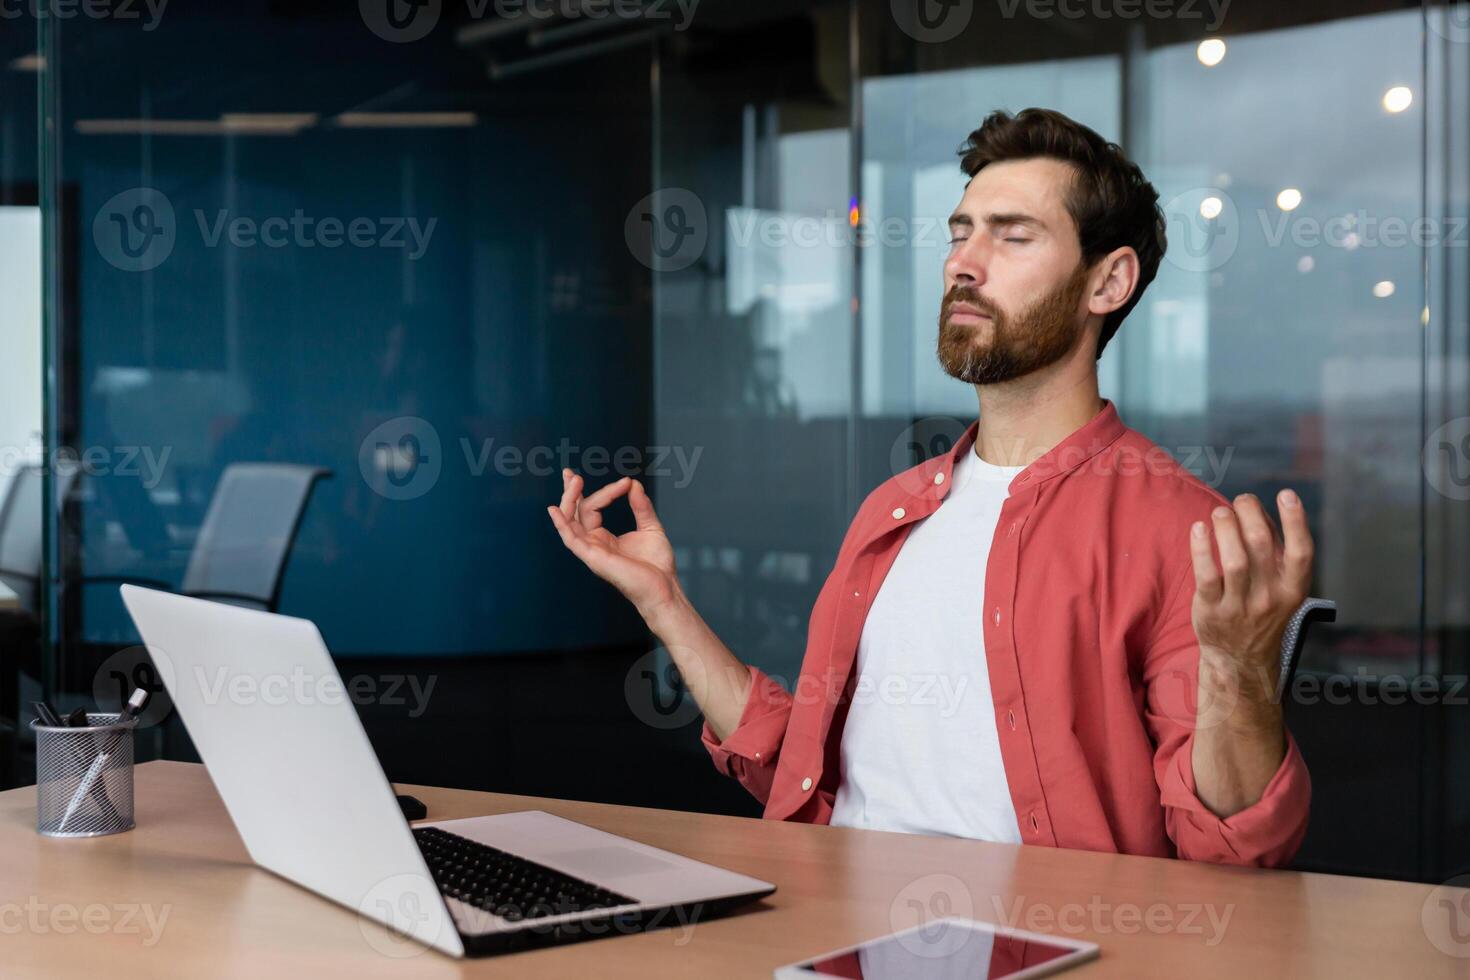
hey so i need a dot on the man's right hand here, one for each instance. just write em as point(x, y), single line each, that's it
point(639, 564)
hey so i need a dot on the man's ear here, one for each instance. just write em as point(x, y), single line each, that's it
point(1113, 281)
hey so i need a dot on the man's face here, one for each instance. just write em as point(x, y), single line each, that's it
point(1014, 280)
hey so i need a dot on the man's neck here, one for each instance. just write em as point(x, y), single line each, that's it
point(1022, 420)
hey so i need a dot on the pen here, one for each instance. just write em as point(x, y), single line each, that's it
point(135, 704)
point(47, 714)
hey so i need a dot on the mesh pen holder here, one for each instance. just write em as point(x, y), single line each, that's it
point(84, 777)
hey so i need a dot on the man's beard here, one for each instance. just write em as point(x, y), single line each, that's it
point(1040, 336)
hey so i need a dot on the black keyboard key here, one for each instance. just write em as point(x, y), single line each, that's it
point(506, 885)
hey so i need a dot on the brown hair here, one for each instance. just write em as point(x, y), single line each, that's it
point(1110, 201)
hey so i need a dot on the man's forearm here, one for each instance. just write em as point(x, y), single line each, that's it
point(716, 678)
point(1239, 748)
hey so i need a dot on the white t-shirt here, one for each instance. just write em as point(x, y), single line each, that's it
point(920, 751)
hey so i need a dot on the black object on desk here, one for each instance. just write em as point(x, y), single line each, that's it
point(412, 807)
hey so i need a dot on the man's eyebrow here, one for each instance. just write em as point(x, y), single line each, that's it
point(1014, 218)
point(998, 219)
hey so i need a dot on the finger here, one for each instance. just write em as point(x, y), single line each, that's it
point(571, 493)
point(1296, 561)
point(1260, 539)
point(643, 513)
point(1208, 584)
point(571, 535)
point(590, 512)
point(1235, 563)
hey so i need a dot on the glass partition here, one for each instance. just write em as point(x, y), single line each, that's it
point(387, 264)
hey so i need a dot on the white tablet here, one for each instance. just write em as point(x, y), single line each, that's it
point(948, 949)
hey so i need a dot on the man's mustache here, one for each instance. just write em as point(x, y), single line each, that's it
point(965, 294)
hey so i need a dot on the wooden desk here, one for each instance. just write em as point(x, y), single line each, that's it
point(222, 917)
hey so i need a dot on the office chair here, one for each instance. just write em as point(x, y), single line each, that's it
point(21, 517)
point(20, 530)
point(246, 539)
point(1309, 612)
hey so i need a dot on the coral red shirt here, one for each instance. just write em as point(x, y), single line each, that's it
point(1090, 650)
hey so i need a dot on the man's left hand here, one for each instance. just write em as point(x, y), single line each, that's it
point(1242, 604)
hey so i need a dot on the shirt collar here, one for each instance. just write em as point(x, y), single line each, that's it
point(1079, 447)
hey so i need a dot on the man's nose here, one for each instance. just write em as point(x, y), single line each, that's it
point(966, 265)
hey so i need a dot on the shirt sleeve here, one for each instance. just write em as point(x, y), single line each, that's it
point(749, 752)
point(1265, 834)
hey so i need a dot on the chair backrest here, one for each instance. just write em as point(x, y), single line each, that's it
point(1309, 612)
point(21, 539)
point(248, 531)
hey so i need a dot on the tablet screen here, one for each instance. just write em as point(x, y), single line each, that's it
point(949, 949)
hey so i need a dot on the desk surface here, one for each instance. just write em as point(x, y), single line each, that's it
point(8, 598)
point(178, 897)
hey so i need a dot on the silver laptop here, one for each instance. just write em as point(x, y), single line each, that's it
point(268, 713)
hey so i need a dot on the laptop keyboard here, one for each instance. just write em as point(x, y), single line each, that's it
point(506, 885)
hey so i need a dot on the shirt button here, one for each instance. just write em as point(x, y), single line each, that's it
point(757, 757)
point(938, 478)
point(806, 784)
point(1012, 529)
point(1011, 719)
point(857, 595)
point(997, 615)
point(898, 513)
